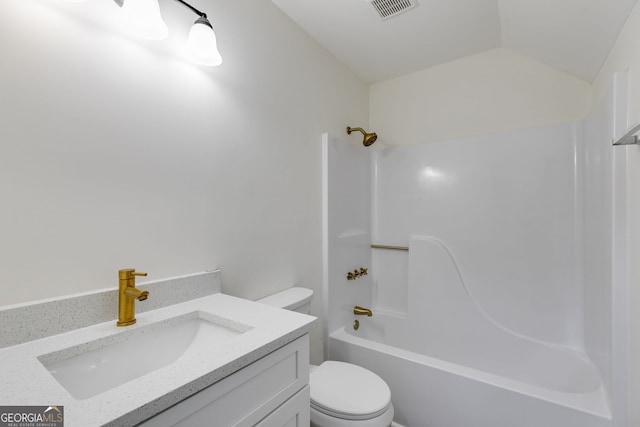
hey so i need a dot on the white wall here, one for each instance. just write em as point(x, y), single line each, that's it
point(115, 152)
point(625, 55)
point(490, 92)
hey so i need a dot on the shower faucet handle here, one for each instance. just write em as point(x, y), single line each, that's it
point(356, 274)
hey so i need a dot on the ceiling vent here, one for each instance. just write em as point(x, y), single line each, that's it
point(390, 8)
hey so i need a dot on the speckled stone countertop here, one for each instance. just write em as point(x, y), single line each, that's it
point(26, 381)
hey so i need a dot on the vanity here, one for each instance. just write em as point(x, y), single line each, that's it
point(214, 360)
point(271, 392)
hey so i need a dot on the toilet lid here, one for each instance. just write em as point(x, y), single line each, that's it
point(347, 391)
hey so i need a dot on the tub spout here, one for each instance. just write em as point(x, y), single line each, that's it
point(361, 311)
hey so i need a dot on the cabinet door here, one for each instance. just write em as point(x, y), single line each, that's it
point(247, 396)
point(292, 413)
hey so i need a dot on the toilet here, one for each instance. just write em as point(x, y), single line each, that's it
point(342, 394)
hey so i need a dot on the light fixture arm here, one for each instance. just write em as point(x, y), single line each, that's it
point(193, 9)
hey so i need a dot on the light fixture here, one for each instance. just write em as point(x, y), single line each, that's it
point(201, 46)
point(143, 18)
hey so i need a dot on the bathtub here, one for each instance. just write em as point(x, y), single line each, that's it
point(522, 383)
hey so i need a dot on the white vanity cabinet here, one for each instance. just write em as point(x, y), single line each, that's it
point(270, 392)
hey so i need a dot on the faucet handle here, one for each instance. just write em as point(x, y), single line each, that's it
point(129, 273)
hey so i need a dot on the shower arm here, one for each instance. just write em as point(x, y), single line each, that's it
point(350, 129)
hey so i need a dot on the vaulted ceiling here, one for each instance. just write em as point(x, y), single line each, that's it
point(573, 36)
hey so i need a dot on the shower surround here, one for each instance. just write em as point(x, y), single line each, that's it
point(488, 319)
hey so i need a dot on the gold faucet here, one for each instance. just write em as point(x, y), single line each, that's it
point(127, 296)
point(361, 311)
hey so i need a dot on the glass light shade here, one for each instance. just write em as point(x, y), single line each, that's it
point(142, 18)
point(201, 46)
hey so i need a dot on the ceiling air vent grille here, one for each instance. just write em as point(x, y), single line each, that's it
point(391, 8)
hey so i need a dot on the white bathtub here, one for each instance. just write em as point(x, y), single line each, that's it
point(520, 383)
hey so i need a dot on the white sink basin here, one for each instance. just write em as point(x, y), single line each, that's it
point(92, 368)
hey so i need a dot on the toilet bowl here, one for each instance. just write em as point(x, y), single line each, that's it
point(347, 395)
point(342, 394)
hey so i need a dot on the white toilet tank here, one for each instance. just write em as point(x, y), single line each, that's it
point(295, 299)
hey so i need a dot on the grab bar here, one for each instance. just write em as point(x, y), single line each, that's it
point(395, 248)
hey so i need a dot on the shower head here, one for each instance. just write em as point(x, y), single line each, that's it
point(369, 138)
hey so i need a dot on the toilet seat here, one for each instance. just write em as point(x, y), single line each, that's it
point(348, 392)
point(345, 416)
point(319, 419)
